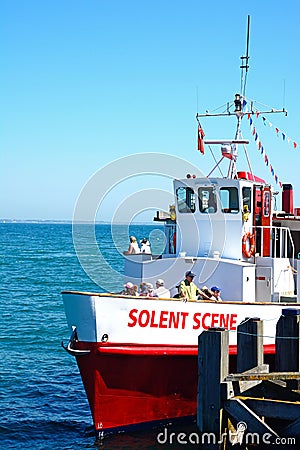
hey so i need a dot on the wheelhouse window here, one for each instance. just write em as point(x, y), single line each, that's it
point(246, 193)
point(186, 200)
point(229, 200)
point(207, 199)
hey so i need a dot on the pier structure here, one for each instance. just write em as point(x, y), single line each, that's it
point(253, 407)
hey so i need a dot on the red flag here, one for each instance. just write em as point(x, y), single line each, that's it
point(200, 139)
point(229, 152)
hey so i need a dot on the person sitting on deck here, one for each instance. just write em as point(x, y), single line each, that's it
point(206, 294)
point(150, 290)
point(144, 289)
point(187, 289)
point(216, 293)
point(133, 247)
point(129, 289)
point(160, 290)
point(145, 246)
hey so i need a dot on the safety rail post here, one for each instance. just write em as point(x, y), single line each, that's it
point(213, 364)
point(287, 343)
point(249, 344)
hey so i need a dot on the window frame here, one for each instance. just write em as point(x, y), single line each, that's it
point(229, 209)
point(190, 203)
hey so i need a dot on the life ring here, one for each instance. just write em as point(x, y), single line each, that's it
point(248, 253)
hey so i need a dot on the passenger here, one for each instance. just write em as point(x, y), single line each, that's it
point(160, 290)
point(128, 289)
point(133, 247)
point(187, 290)
point(150, 290)
point(216, 293)
point(136, 289)
point(206, 294)
point(144, 290)
point(145, 246)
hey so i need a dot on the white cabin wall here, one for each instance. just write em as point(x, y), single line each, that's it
point(235, 278)
point(203, 234)
point(282, 280)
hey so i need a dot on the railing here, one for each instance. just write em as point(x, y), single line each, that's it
point(281, 242)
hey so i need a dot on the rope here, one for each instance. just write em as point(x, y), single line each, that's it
point(265, 335)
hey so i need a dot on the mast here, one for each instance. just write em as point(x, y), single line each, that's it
point(245, 60)
point(239, 103)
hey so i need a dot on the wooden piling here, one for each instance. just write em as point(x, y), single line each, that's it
point(287, 343)
point(213, 346)
point(253, 401)
point(249, 344)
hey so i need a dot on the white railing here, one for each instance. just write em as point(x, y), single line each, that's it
point(281, 242)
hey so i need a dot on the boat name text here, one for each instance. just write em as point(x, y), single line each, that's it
point(180, 319)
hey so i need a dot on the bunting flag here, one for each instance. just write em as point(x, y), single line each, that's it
point(260, 147)
point(200, 139)
point(277, 131)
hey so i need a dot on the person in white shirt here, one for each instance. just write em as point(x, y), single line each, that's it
point(145, 246)
point(133, 247)
point(160, 290)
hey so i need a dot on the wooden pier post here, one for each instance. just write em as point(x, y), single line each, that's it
point(249, 344)
point(213, 346)
point(287, 343)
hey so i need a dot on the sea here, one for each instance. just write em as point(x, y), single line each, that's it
point(42, 399)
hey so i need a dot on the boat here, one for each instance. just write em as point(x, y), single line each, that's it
point(137, 356)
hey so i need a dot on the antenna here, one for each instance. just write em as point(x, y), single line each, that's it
point(238, 105)
point(245, 60)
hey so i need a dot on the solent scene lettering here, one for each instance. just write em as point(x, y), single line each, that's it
point(179, 319)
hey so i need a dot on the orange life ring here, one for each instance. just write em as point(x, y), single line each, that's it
point(248, 253)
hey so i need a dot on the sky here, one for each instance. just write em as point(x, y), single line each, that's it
point(84, 83)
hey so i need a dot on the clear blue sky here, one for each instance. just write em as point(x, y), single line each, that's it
point(86, 82)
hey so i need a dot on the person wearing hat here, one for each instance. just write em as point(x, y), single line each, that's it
point(187, 289)
point(145, 246)
point(216, 293)
point(160, 290)
point(129, 289)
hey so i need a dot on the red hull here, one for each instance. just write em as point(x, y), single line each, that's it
point(134, 385)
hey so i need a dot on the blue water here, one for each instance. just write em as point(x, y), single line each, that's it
point(43, 403)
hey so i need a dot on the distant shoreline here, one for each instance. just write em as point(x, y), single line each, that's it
point(68, 222)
